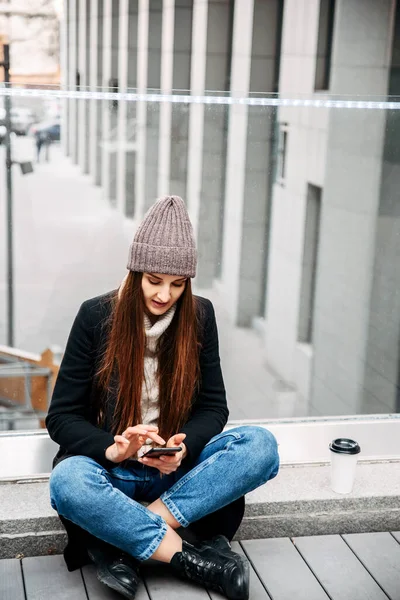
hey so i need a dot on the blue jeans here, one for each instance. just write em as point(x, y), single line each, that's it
point(107, 503)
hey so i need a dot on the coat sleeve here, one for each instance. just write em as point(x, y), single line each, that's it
point(66, 420)
point(210, 411)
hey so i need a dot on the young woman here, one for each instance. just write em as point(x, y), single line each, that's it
point(141, 369)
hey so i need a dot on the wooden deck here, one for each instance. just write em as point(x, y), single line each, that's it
point(349, 567)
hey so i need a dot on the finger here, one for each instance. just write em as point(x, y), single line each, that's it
point(171, 464)
point(132, 431)
point(146, 427)
point(171, 459)
point(133, 436)
point(143, 426)
point(119, 439)
point(152, 462)
point(175, 440)
point(156, 438)
point(167, 470)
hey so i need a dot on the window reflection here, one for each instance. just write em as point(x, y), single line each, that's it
point(294, 205)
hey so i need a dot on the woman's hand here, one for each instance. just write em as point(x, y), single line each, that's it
point(168, 464)
point(133, 438)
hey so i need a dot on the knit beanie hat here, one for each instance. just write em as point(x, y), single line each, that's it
point(164, 242)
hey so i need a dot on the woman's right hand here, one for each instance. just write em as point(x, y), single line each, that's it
point(133, 438)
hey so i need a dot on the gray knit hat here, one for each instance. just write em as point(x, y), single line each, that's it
point(164, 242)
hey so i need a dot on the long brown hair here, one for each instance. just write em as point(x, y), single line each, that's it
point(123, 359)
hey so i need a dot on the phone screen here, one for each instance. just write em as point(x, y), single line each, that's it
point(156, 452)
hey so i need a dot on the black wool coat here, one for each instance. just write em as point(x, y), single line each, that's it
point(72, 416)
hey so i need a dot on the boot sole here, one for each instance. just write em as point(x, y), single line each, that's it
point(105, 577)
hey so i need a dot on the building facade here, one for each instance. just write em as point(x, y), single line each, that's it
point(295, 207)
point(31, 27)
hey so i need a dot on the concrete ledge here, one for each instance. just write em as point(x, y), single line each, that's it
point(297, 502)
point(32, 544)
point(300, 502)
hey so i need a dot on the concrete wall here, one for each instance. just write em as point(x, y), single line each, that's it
point(33, 40)
point(351, 193)
point(65, 57)
point(141, 109)
point(213, 140)
point(105, 108)
point(341, 152)
point(95, 82)
point(258, 174)
point(167, 61)
point(181, 81)
point(196, 111)
point(72, 37)
point(305, 163)
point(153, 109)
point(84, 74)
point(381, 384)
point(131, 112)
point(127, 79)
point(247, 171)
point(113, 109)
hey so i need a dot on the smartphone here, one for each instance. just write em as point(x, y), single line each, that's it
point(157, 452)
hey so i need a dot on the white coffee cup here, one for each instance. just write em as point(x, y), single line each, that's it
point(344, 455)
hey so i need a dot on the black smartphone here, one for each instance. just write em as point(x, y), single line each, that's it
point(157, 452)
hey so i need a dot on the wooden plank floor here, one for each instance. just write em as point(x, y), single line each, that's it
point(361, 566)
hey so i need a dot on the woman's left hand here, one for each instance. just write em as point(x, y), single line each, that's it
point(168, 464)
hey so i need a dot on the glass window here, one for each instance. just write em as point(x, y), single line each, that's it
point(325, 41)
point(309, 265)
point(282, 148)
point(293, 194)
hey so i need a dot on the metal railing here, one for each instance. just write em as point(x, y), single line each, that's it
point(13, 411)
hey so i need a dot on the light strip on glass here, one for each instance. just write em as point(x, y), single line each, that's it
point(188, 99)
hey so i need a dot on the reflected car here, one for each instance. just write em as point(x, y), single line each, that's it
point(50, 130)
point(3, 129)
point(21, 120)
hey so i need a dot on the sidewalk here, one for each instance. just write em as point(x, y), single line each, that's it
point(70, 246)
point(336, 567)
point(253, 390)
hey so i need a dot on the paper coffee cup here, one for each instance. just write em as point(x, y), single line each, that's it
point(344, 455)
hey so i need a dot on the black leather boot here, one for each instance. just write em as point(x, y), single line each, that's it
point(219, 542)
point(218, 569)
point(115, 568)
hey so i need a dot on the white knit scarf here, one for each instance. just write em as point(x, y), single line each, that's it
point(150, 388)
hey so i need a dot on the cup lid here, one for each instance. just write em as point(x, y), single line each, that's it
point(344, 446)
